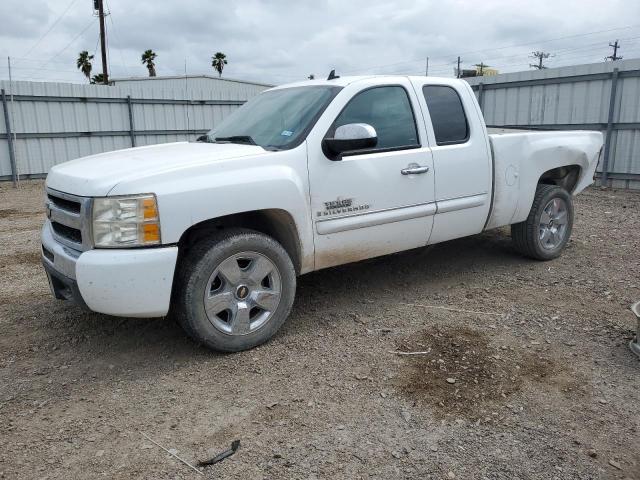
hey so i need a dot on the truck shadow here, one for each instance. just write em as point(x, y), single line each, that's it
point(106, 347)
point(405, 275)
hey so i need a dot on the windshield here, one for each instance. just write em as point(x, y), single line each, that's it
point(277, 119)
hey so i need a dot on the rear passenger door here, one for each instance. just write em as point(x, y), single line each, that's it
point(461, 158)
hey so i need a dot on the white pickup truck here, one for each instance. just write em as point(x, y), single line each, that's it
point(302, 177)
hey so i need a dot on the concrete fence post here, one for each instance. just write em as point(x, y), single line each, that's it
point(609, 132)
point(12, 154)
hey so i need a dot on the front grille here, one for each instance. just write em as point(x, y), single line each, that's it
point(72, 234)
point(65, 204)
point(70, 217)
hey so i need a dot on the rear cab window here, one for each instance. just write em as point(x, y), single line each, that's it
point(449, 121)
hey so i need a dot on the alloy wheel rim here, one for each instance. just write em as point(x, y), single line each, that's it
point(242, 293)
point(553, 224)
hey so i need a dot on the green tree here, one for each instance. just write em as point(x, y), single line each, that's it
point(218, 61)
point(148, 58)
point(84, 63)
point(98, 79)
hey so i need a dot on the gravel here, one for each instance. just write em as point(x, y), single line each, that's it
point(526, 373)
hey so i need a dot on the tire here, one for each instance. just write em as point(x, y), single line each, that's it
point(547, 229)
point(248, 283)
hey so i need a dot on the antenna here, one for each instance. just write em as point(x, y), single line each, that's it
point(332, 75)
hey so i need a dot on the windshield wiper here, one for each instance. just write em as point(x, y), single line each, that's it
point(243, 139)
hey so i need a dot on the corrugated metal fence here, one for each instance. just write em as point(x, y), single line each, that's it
point(604, 97)
point(50, 123)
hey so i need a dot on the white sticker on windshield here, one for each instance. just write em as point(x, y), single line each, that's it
point(286, 133)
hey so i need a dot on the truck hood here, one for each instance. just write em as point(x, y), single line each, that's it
point(97, 175)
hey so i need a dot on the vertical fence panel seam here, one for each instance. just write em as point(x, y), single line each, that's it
point(12, 156)
point(132, 131)
point(609, 132)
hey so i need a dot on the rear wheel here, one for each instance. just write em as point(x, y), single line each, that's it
point(546, 231)
point(235, 290)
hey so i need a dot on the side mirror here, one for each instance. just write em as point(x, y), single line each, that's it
point(202, 138)
point(352, 136)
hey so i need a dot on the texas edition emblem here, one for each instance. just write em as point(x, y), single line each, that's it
point(340, 205)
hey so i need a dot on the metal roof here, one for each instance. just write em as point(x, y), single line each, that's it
point(182, 77)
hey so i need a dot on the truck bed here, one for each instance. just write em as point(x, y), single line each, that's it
point(520, 157)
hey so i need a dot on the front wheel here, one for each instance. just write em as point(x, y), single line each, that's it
point(546, 231)
point(234, 290)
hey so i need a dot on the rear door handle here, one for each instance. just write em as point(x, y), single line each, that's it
point(414, 169)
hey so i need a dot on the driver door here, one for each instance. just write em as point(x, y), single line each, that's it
point(376, 201)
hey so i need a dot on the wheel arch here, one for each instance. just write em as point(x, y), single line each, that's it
point(276, 223)
point(565, 176)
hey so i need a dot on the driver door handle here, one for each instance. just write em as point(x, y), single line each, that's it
point(414, 169)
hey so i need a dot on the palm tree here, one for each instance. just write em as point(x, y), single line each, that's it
point(218, 62)
point(84, 63)
point(98, 79)
point(147, 58)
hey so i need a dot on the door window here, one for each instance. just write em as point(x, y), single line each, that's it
point(388, 110)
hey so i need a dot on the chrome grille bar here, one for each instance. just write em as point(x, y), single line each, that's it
point(64, 212)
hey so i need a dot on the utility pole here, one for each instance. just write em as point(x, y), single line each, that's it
point(426, 70)
point(615, 56)
point(103, 40)
point(458, 69)
point(481, 66)
point(540, 56)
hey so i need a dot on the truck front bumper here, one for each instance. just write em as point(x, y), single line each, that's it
point(132, 282)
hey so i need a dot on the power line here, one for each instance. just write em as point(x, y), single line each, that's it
point(502, 48)
point(40, 67)
point(113, 28)
point(562, 60)
point(56, 21)
point(500, 61)
point(590, 46)
point(71, 42)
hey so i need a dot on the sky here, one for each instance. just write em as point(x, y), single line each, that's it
point(280, 41)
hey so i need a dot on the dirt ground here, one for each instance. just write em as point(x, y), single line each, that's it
point(531, 379)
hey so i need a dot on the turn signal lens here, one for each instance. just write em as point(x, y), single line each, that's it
point(150, 233)
point(149, 209)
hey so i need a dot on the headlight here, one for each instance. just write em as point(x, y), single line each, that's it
point(126, 221)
